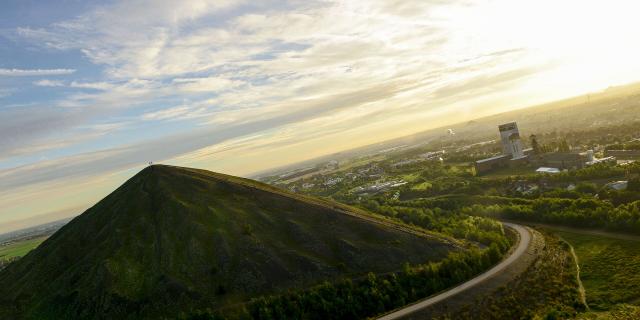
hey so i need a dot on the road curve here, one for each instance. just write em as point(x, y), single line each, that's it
point(523, 244)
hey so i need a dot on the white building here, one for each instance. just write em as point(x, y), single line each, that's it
point(617, 185)
point(511, 144)
point(548, 170)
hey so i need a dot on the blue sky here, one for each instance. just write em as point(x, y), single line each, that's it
point(92, 90)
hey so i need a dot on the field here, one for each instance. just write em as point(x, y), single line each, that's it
point(609, 269)
point(19, 249)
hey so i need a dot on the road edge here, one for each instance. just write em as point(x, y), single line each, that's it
point(516, 263)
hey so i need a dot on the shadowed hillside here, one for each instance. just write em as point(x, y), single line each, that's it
point(174, 239)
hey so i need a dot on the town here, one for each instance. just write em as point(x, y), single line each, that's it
point(399, 172)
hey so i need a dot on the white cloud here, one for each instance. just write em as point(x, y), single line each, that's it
point(35, 72)
point(48, 83)
point(92, 85)
point(305, 72)
point(209, 84)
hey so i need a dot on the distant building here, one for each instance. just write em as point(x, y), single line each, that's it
point(548, 170)
point(512, 151)
point(564, 160)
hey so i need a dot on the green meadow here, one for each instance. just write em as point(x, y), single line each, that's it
point(19, 249)
point(609, 269)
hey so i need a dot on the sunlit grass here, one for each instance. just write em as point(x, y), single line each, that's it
point(610, 269)
point(19, 249)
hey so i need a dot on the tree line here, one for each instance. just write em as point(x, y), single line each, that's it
point(584, 213)
point(366, 297)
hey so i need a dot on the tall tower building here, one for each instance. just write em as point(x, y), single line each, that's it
point(510, 136)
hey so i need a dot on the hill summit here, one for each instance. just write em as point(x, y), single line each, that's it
point(174, 239)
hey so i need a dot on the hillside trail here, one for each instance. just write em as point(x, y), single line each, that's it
point(581, 290)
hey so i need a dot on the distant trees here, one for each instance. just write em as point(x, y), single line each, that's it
point(587, 188)
point(588, 213)
point(594, 172)
point(633, 184)
point(442, 217)
point(534, 144)
point(564, 146)
point(635, 145)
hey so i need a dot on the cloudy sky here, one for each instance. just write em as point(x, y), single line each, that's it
point(90, 90)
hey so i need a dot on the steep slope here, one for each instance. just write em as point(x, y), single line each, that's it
point(173, 239)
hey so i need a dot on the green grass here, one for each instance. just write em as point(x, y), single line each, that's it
point(19, 249)
point(610, 269)
point(422, 186)
point(411, 177)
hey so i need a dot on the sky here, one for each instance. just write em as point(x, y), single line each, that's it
point(91, 91)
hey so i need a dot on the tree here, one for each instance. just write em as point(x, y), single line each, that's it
point(586, 187)
point(564, 146)
point(633, 184)
point(534, 144)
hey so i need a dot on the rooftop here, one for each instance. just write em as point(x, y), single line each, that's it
point(494, 158)
point(548, 170)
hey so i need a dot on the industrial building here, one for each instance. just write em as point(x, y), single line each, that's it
point(561, 160)
point(513, 155)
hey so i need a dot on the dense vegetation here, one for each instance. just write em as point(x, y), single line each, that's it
point(362, 298)
point(458, 224)
point(586, 213)
point(619, 312)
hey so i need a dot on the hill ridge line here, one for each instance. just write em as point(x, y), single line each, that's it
point(323, 203)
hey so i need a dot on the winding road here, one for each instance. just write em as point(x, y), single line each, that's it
point(523, 244)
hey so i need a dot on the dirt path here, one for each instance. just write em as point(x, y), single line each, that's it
point(581, 290)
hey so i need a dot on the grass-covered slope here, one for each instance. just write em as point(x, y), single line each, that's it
point(609, 269)
point(175, 239)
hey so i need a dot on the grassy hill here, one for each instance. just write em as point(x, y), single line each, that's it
point(173, 239)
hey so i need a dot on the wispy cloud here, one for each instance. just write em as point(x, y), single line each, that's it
point(35, 72)
point(92, 85)
point(48, 83)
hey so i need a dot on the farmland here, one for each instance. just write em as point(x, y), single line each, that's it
point(19, 249)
